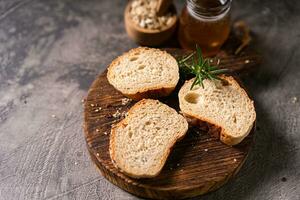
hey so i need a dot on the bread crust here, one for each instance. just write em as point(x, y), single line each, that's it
point(215, 129)
point(149, 92)
point(123, 123)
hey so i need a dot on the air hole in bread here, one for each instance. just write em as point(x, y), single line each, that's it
point(192, 97)
point(144, 159)
point(234, 119)
point(141, 67)
point(225, 82)
point(129, 134)
point(133, 58)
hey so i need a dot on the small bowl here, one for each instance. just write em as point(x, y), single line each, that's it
point(149, 37)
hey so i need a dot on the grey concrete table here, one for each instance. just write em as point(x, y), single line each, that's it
point(50, 52)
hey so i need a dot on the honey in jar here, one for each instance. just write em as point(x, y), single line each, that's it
point(205, 23)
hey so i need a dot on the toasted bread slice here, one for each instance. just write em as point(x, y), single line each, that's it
point(223, 104)
point(141, 143)
point(144, 73)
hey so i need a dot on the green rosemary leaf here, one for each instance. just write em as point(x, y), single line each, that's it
point(193, 84)
point(195, 64)
point(199, 55)
point(219, 71)
point(186, 58)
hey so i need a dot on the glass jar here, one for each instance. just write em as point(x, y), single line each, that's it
point(205, 23)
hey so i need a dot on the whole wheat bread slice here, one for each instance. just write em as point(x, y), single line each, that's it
point(144, 73)
point(223, 104)
point(142, 141)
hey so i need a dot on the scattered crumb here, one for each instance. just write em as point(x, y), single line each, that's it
point(119, 109)
point(181, 170)
point(294, 99)
point(171, 168)
point(211, 60)
point(53, 116)
point(97, 130)
point(117, 114)
point(98, 109)
point(247, 61)
point(124, 114)
point(218, 62)
point(82, 100)
point(92, 104)
point(97, 154)
point(76, 163)
point(206, 150)
point(105, 133)
point(234, 160)
point(178, 164)
point(125, 101)
point(283, 179)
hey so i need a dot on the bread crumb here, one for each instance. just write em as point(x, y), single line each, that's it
point(117, 114)
point(125, 101)
point(247, 61)
point(97, 154)
point(206, 150)
point(124, 114)
point(82, 100)
point(178, 164)
point(105, 133)
point(234, 160)
point(92, 105)
point(53, 116)
point(98, 109)
point(181, 170)
point(294, 99)
point(97, 130)
point(76, 163)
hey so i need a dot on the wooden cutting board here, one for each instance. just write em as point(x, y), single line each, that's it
point(198, 164)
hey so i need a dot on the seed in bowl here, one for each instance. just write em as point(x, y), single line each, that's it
point(143, 13)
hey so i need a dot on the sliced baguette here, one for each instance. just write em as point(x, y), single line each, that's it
point(144, 73)
point(223, 104)
point(141, 143)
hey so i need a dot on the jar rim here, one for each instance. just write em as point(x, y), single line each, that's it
point(208, 12)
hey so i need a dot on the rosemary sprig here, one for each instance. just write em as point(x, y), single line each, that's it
point(194, 64)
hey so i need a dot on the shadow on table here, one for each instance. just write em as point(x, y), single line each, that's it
point(271, 152)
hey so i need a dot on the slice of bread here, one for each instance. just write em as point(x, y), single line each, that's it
point(141, 143)
point(223, 104)
point(144, 73)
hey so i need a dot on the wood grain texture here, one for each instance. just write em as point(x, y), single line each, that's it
point(198, 164)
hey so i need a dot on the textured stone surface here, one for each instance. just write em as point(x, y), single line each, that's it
point(50, 52)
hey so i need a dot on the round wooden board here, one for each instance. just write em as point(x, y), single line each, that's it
point(197, 164)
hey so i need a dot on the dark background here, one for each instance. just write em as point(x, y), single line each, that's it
point(50, 52)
